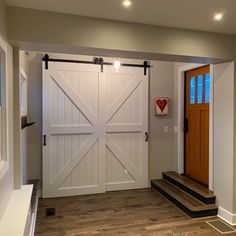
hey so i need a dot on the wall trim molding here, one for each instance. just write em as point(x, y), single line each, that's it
point(227, 216)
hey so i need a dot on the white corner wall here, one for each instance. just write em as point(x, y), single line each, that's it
point(224, 139)
point(7, 182)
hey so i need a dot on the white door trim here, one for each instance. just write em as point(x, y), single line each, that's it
point(180, 118)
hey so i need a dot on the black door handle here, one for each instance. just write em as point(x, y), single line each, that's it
point(44, 140)
point(146, 134)
point(186, 126)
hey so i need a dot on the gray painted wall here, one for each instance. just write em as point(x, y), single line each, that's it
point(40, 28)
point(23, 63)
point(160, 144)
point(34, 146)
point(3, 20)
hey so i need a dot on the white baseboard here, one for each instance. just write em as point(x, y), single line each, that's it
point(227, 216)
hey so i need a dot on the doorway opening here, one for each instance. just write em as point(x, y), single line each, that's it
point(196, 124)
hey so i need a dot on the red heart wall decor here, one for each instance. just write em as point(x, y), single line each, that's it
point(161, 103)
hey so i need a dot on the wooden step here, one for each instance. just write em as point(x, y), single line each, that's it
point(190, 186)
point(190, 205)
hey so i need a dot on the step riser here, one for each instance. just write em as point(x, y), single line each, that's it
point(190, 191)
point(192, 214)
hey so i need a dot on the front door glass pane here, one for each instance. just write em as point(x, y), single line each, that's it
point(199, 89)
point(192, 90)
point(207, 87)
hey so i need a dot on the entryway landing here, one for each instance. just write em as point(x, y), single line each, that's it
point(193, 198)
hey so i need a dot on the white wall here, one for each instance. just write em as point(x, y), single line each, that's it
point(160, 144)
point(223, 138)
point(6, 184)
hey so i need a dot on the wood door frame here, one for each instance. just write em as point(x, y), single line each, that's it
point(180, 118)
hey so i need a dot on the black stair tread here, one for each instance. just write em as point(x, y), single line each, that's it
point(185, 199)
point(191, 184)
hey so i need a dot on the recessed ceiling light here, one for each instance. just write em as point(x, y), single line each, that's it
point(127, 3)
point(218, 16)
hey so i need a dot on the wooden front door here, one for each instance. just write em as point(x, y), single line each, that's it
point(197, 99)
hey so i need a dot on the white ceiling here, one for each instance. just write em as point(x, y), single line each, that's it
point(187, 14)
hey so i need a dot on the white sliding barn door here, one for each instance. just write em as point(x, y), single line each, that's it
point(95, 126)
point(126, 119)
point(73, 159)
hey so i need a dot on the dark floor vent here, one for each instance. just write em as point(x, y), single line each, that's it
point(221, 226)
point(50, 211)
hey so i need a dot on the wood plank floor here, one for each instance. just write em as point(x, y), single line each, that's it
point(132, 212)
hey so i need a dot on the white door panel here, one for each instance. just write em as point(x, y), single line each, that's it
point(95, 125)
point(72, 159)
point(126, 123)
